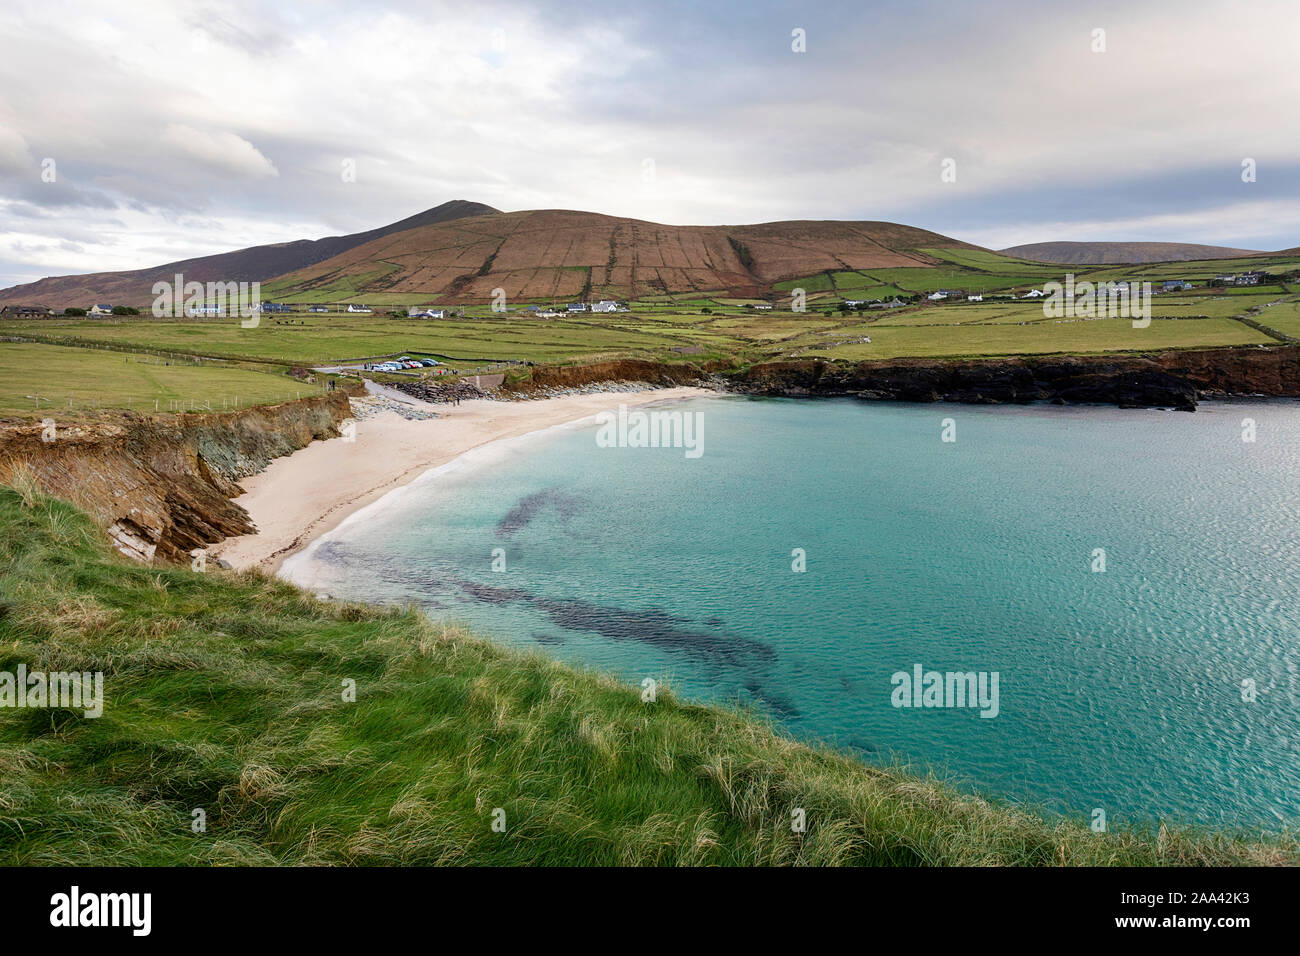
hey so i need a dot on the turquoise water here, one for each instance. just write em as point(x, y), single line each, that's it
point(1119, 689)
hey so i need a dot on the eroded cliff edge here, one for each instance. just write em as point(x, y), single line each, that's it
point(161, 484)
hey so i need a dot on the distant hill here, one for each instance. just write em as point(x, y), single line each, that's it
point(1123, 253)
point(255, 264)
point(556, 254)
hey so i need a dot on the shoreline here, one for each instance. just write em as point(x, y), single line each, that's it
point(301, 497)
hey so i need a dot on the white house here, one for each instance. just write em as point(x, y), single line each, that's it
point(425, 313)
point(975, 298)
point(1033, 294)
point(936, 296)
point(576, 307)
point(100, 310)
point(605, 305)
point(360, 308)
point(205, 311)
point(764, 307)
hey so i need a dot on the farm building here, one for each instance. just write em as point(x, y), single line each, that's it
point(98, 309)
point(605, 305)
point(25, 312)
point(1249, 278)
point(360, 308)
point(576, 307)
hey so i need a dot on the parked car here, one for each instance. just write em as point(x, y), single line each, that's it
point(428, 363)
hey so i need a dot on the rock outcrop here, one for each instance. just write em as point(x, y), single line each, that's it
point(1176, 379)
point(560, 377)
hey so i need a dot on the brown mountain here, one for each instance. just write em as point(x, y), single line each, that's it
point(556, 254)
point(1123, 253)
point(257, 263)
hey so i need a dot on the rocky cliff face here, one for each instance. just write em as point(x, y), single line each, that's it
point(1169, 379)
point(663, 374)
point(162, 484)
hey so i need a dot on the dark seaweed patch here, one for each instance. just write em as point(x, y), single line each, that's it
point(649, 626)
point(530, 506)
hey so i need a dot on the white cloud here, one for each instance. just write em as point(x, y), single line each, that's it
point(219, 150)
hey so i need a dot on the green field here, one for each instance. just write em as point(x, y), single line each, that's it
point(994, 262)
point(663, 328)
point(1285, 318)
point(225, 693)
point(1079, 337)
point(77, 378)
point(321, 339)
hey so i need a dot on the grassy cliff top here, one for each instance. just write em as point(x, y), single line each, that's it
point(224, 693)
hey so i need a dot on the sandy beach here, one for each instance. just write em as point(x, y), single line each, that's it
point(304, 495)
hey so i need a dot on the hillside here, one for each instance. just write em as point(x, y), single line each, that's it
point(254, 264)
point(222, 693)
point(1123, 253)
point(557, 255)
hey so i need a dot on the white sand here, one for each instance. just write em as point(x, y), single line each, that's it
point(302, 496)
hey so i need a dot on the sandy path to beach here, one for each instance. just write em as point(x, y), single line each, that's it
point(304, 495)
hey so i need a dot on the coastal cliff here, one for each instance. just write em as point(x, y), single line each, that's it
point(1175, 379)
point(161, 484)
point(557, 377)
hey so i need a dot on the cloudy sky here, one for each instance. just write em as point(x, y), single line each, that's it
point(137, 132)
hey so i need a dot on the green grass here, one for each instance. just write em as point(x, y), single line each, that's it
point(918, 279)
point(1075, 337)
point(320, 339)
point(1285, 318)
point(995, 262)
point(818, 282)
point(222, 693)
point(80, 378)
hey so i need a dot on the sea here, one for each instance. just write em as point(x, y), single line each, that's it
point(1073, 608)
